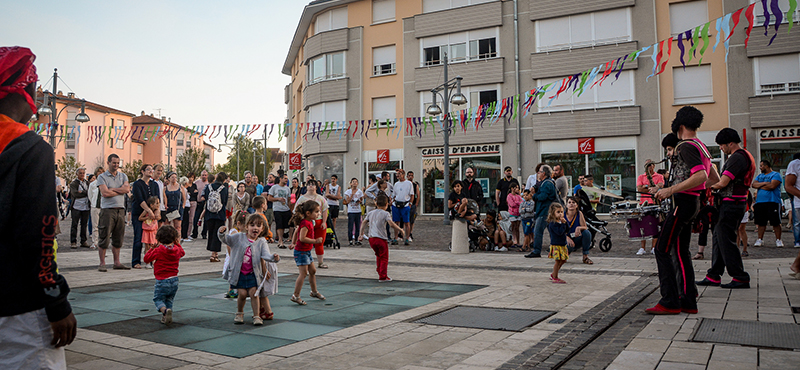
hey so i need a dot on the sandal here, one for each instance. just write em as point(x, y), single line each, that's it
point(322, 266)
point(556, 280)
point(745, 254)
point(264, 315)
point(137, 266)
point(239, 318)
point(698, 256)
point(587, 261)
point(317, 295)
point(298, 300)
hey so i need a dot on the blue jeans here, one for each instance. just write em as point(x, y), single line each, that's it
point(164, 292)
point(353, 226)
point(538, 234)
point(796, 224)
point(136, 257)
point(584, 241)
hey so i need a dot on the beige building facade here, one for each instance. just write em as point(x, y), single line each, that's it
point(379, 59)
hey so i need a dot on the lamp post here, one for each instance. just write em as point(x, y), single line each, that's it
point(457, 99)
point(235, 147)
point(48, 107)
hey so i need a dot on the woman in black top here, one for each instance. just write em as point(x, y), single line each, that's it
point(215, 220)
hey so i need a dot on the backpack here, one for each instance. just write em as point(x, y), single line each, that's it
point(558, 199)
point(214, 202)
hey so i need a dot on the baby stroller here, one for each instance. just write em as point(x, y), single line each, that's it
point(331, 241)
point(478, 236)
point(594, 224)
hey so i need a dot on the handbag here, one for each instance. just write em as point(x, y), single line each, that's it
point(173, 215)
point(400, 204)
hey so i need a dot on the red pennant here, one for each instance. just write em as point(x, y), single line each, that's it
point(749, 15)
point(669, 53)
point(736, 16)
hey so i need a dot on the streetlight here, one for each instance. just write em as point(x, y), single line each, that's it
point(49, 108)
point(235, 147)
point(456, 99)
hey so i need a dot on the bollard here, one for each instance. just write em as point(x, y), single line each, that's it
point(459, 240)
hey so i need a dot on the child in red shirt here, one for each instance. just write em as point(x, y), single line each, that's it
point(303, 243)
point(166, 257)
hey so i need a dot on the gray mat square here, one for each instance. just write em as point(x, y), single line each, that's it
point(486, 318)
point(749, 333)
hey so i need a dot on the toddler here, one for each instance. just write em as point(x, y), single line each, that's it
point(377, 220)
point(527, 211)
point(242, 272)
point(150, 225)
point(239, 220)
point(166, 257)
point(514, 200)
point(557, 227)
point(303, 243)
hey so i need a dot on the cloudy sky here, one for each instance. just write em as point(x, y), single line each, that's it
point(201, 62)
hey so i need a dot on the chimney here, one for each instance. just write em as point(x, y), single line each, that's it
point(169, 119)
point(151, 114)
point(142, 113)
point(163, 118)
point(71, 95)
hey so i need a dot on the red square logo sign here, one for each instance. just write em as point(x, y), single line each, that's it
point(294, 161)
point(383, 156)
point(586, 146)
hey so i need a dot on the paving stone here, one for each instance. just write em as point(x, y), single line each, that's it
point(648, 345)
point(635, 360)
point(776, 318)
point(664, 365)
point(203, 358)
point(102, 364)
point(155, 362)
point(77, 357)
point(161, 349)
point(490, 358)
point(737, 354)
point(725, 365)
point(687, 355)
point(772, 359)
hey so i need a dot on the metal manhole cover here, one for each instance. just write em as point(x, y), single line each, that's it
point(749, 333)
point(486, 318)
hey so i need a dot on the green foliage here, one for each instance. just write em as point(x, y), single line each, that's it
point(248, 150)
point(192, 160)
point(131, 169)
point(66, 167)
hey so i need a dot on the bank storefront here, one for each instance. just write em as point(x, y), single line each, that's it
point(485, 158)
point(778, 145)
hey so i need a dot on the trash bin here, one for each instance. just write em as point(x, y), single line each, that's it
point(459, 239)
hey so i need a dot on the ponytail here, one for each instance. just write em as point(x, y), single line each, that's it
point(300, 211)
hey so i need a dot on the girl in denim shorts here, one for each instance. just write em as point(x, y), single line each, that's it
point(303, 243)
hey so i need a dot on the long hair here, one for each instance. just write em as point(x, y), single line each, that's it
point(551, 213)
point(301, 210)
point(240, 218)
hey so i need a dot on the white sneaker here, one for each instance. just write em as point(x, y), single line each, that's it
point(410, 240)
point(796, 245)
point(778, 243)
point(759, 243)
point(503, 249)
point(189, 239)
point(640, 252)
point(652, 251)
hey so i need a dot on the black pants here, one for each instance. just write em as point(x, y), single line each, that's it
point(199, 210)
point(83, 218)
point(675, 271)
point(186, 222)
point(705, 221)
point(214, 244)
point(725, 253)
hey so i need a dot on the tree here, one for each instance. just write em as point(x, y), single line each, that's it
point(66, 167)
point(131, 169)
point(192, 160)
point(247, 149)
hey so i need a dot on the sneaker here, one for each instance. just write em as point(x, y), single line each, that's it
point(239, 318)
point(351, 242)
point(405, 242)
point(533, 255)
point(661, 310)
point(797, 245)
point(779, 243)
point(102, 268)
point(410, 239)
point(168, 316)
point(640, 252)
point(388, 279)
point(189, 239)
point(258, 321)
point(759, 243)
point(502, 249)
point(652, 251)
point(73, 245)
point(707, 282)
point(358, 243)
point(394, 241)
point(736, 285)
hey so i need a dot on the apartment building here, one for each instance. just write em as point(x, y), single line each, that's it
point(378, 59)
point(166, 149)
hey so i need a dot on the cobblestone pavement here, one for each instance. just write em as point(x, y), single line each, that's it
point(430, 235)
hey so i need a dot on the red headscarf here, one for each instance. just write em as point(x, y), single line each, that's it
point(13, 60)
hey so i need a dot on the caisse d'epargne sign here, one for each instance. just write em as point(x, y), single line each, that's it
point(462, 150)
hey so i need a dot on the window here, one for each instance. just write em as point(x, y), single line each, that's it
point(784, 5)
point(692, 85)
point(139, 149)
point(476, 95)
point(208, 158)
point(326, 67)
point(383, 109)
point(437, 5)
point(382, 11)
point(611, 94)
point(482, 97)
point(460, 47)
point(583, 30)
point(179, 152)
point(180, 139)
point(383, 60)
point(331, 20)
point(687, 15)
point(70, 143)
point(777, 74)
point(327, 112)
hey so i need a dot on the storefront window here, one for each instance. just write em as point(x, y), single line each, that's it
point(779, 155)
point(619, 165)
point(487, 173)
point(325, 165)
point(433, 175)
point(574, 165)
point(374, 168)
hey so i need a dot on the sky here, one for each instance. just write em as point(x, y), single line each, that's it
point(199, 62)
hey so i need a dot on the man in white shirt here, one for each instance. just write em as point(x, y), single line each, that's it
point(403, 190)
point(793, 188)
point(533, 179)
point(332, 196)
point(158, 171)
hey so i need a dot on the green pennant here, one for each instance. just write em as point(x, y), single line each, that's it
point(790, 14)
point(329, 131)
point(584, 76)
point(377, 126)
point(433, 126)
point(695, 38)
point(516, 107)
point(387, 128)
point(705, 42)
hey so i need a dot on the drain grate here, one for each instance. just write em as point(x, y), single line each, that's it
point(486, 318)
point(749, 333)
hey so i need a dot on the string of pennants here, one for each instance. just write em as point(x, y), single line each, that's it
point(474, 118)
